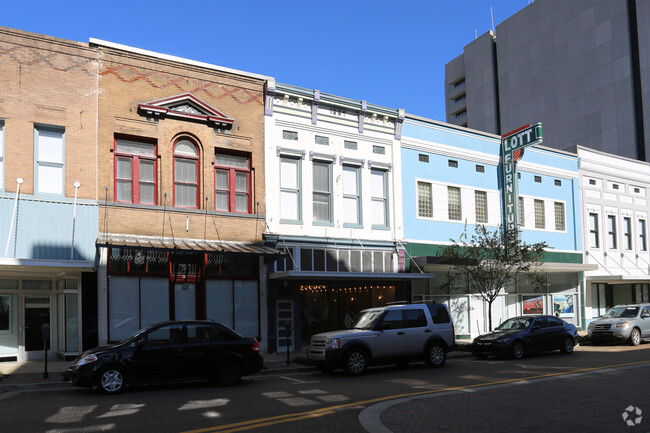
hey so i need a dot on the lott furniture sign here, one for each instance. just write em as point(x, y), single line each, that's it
point(512, 149)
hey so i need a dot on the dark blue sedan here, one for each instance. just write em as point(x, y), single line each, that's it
point(521, 335)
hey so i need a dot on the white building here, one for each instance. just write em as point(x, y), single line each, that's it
point(614, 195)
point(331, 165)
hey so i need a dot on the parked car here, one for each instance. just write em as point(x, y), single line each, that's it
point(168, 351)
point(622, 323)
point(393, 333)
point(519, 336)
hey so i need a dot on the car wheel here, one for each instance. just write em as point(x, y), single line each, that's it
point(518, 349)
point(567, 345)
point(111, 380)
point(355, 362)
point(435, 355)
point(635, 337)
point(229, 372)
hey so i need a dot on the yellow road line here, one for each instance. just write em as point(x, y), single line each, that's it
point(279, 419)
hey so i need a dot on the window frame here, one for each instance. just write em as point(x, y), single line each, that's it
point(357, 197)
point(384, 200)
point(232, 182)
point(522, 212)
point(297, 191)
point(38, 127)
point(627, 233)
point(324, 193)
point(483, 208)
point(197, 161)
point(452, 207)
point(558, 205)
point(420, 205)
point(135, 170)
point(540, 217)
point(594, 230)
point(643, 239)
point(612, 243)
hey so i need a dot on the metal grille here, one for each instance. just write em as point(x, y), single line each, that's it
point(378, 149)
point(559, 216)
point(324, 141)
point(350, 145)
point(480, 199)
point(290, 135)
point(453, 200)
point(425, 206)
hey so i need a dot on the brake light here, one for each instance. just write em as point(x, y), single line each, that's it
point(255, 347)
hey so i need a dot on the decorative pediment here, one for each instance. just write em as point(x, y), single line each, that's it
point(186, 107)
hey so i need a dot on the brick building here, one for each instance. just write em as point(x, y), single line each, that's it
point(48, 208)
point(181, 192)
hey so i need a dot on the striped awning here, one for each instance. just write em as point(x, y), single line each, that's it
point(114, 240)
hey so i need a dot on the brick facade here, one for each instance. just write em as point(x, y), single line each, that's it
point(48, 81)
point(127, 79)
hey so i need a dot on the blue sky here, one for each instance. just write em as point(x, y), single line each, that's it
point(389, 53)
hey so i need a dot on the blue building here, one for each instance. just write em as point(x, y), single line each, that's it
point(451, 181)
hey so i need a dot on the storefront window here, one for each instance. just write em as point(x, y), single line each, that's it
point(8, 324)
point(123, 307)
point(68, 321)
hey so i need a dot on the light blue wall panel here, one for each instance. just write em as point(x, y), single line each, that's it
point(43, 229)
point(438, 170)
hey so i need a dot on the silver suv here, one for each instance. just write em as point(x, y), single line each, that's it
point(623, 322)
point(394, 333)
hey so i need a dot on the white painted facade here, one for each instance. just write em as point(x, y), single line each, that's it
point(337, 122)
point(615, 195)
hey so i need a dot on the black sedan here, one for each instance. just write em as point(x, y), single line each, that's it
point(168, 351)
point(527, 334)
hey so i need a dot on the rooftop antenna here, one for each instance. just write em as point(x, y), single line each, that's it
point(475, 33)
point(492, 17)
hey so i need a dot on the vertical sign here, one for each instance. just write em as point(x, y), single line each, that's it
point(512, 149)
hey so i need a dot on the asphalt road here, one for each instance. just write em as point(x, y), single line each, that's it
point(588, 391)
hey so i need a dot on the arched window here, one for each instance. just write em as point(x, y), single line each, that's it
point(186, 174)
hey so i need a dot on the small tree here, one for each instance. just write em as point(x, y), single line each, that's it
point(491, 259)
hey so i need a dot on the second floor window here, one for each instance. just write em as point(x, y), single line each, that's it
point(351, 195)
point(49, 151)
point(559, 216)
point(425, 200)
point(186, 174)
point(540, 221)
point(643, 246)
point(455, 211)
point(322, 193)
point(480, 201)
point(135, 171)
point(232, 183)
point(594, 231)
point(290, 189)
point(627, 232)
point(379, 197)
point(522, 213)
point(611, 232)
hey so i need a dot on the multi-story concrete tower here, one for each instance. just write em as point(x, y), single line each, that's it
point(580, 68)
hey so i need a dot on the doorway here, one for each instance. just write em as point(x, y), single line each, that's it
point(37, 325)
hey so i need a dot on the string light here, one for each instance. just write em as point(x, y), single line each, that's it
point(313, 289)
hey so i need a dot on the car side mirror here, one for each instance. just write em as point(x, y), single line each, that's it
point(645, 315)
point(139, 342)
point(536, 327)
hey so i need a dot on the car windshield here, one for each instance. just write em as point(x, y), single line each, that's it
point(622, 312)
point(515, 323)
point(366, 319)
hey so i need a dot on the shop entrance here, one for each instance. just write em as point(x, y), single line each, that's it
point(37, 316)
point(325, 307)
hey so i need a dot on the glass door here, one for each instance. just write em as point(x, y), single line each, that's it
point(37, 326)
